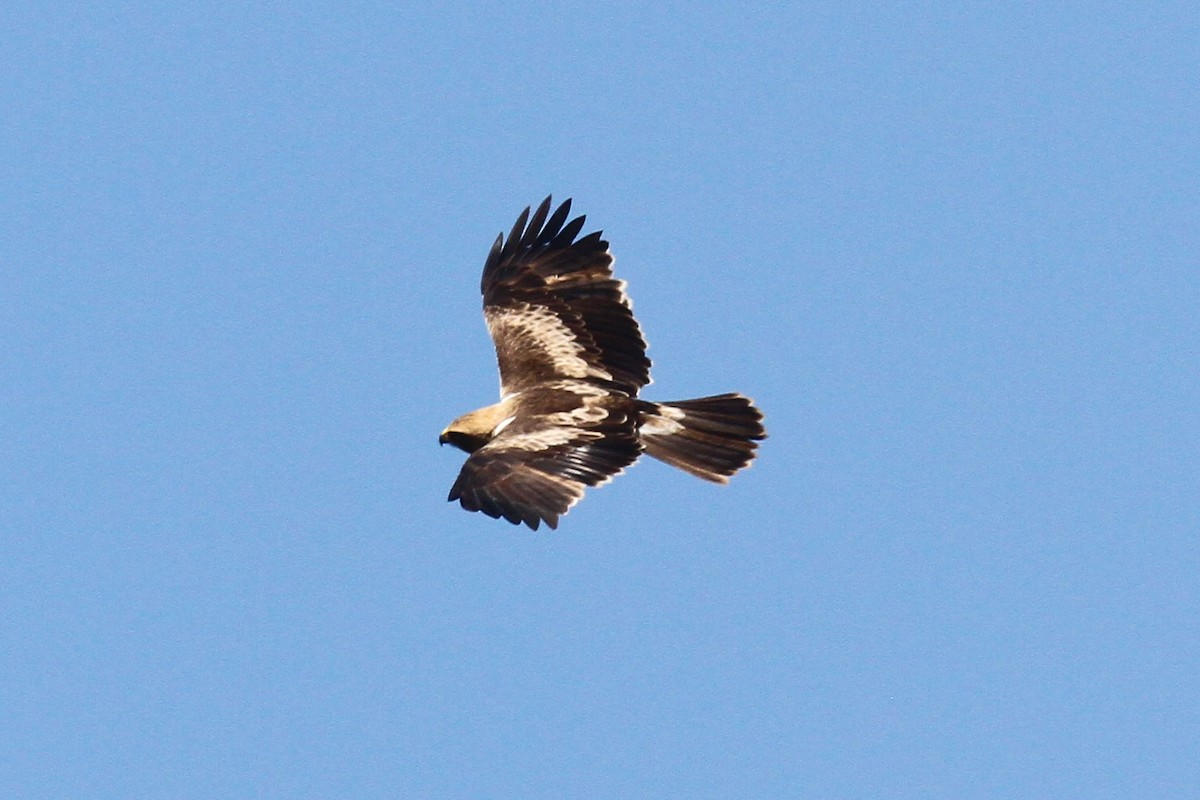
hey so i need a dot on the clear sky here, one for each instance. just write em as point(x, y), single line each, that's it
point(951, 252)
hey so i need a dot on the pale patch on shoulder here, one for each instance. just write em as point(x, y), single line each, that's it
point(546, 438)
point(581, 388)
point(537, 327)
point(584, 415)
point(590, 410)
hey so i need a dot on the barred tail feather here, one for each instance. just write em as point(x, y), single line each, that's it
point(710, 437)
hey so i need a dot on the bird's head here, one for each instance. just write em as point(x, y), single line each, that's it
point(470, 431)
point(467, 442)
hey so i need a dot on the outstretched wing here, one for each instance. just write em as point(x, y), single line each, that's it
point(563, 438)
point(554, 309)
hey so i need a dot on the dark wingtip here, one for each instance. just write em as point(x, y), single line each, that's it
point(534, 228)
point(518, 228)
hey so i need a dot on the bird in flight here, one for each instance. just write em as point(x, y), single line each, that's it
point(572, 360)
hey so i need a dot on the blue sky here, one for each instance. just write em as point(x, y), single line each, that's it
point(951, 252)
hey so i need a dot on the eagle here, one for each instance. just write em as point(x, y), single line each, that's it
point(572, 360)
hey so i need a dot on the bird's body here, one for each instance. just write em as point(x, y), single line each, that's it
point(572, 360)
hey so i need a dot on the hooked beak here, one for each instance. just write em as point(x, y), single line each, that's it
point(443, 439)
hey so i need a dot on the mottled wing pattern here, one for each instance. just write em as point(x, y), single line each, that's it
point(562, 438)
point(554, 309)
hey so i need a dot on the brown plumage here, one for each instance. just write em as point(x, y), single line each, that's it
point(572, 360)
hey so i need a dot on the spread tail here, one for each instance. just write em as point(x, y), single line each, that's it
point(710, 437)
